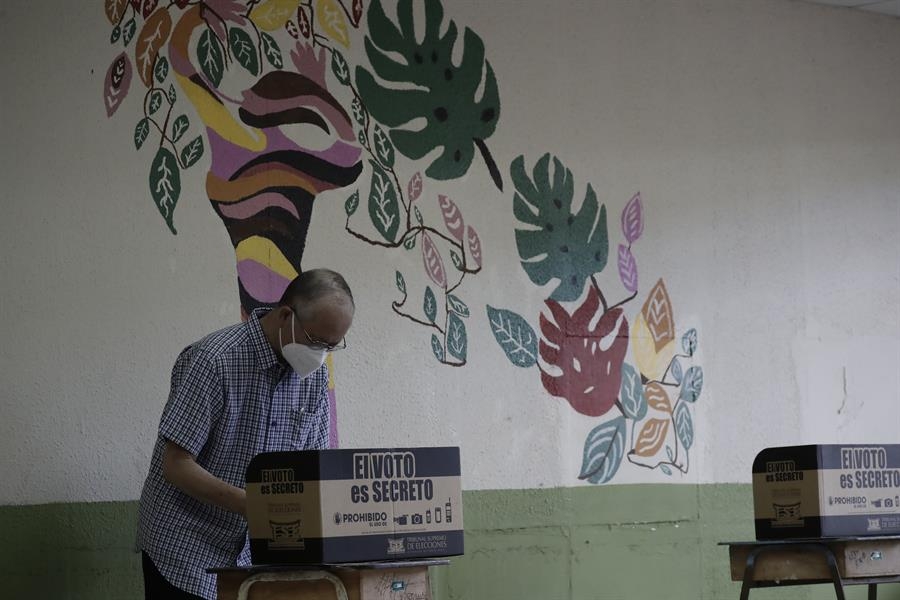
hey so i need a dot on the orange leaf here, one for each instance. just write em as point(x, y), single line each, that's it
point(657, 397)
point(652, 437)
point(153, 35)
point(114, 10)
point(657, 311)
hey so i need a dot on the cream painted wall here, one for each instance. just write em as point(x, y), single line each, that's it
point(763, 136)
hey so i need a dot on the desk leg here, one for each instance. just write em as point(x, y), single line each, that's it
point(873, 591)
point(750, 567)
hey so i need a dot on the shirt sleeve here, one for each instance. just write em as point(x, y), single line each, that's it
point(194, 399)
point(322, 426)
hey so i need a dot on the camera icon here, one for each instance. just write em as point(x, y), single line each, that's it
point(417, 519)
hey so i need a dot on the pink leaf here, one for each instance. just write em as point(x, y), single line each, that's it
point(118, 80)
point(148, 7)
point(474, 247)
point(434, 264)
point(308, 62)
point(414, 188)
point(452, 217)
point(627, 269)
point(633, 219)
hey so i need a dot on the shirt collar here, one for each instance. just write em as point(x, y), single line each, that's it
point(264, 351)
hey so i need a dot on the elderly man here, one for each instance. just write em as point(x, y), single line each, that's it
point(254, 387)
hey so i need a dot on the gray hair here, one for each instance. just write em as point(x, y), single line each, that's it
point(315, 285)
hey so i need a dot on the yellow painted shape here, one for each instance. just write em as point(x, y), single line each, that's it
point(273, 14)
point(263, 251)
point(651, 363)
point(331, 17)
point(217, 117)
point(330, 360)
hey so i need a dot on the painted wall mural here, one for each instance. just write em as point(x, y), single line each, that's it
point(285, 115)
point(585, 338)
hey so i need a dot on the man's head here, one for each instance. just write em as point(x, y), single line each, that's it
point(315, 311)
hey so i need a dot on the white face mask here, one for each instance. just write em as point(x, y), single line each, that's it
point(303, 359)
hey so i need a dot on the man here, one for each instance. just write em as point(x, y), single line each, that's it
point(253, 387)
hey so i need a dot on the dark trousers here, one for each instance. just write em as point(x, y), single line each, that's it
point(157, 588)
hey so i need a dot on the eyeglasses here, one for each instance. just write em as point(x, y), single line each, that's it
point(320, 345)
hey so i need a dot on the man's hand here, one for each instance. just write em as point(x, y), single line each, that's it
point(181, 470)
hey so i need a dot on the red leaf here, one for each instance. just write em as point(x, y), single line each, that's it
point(182, 3)
point(292, 29)
point(303, 21)
point(452, 217)
point(414, 188)
point(588, 357)
point(148, 7)
point(153, 35)
point(357, 12)
point(117, 82)
point(474, 246)
point(434, 264)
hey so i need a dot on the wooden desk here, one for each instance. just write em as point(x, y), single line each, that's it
point(839, 561)
point(394, 580)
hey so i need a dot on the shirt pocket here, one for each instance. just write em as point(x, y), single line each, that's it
point(305, 421)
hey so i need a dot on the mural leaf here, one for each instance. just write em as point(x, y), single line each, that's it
point(210, 57)
point(153, 35)
point(172, 95)
point(437, 348)
point(147, 7)
point(243, 49)
point(271, 50)
point(272, 14)
point(116, 83)
point(677, 373)
point(657, 397)
point(586, 353)
point(665, 469)
point(414, 187)
point(303, 22)
point(352, 203)
point(457, 342)
point(191, 153)
point(331, 18)
point(444, 95)
point(434, 264)
point(339, 67)
point(362, 137)
point(418, 214)
point(691, 385)
point(684, 426)
point(633, 219)
point(452, 217)
point(631, 393)
point(652, 437)
point(384, 150)
point(115, 35)
point(161, 70)
point(657, 312)
point(515, 336)
point(165, 184)
point(457, 261)
point(604, 449)
point(410, 242)
point(291, 28)
point(557, 243)
point(156, 100)
point(384, 208)
point(474, 246)
point(359, 112)
point(114, 10)
point(628, 269)
point(180, 125)
point(429, 305)
point(401, 283)
point(689, 342)
point(128, 31)
point(457, 305)
point(141, 132)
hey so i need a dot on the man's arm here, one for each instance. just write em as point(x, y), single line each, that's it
point(181, 470)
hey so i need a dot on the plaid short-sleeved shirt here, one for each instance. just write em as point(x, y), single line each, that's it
point(230, 399)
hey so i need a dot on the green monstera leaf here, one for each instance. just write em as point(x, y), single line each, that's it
point(558, 243)
point(445, 93)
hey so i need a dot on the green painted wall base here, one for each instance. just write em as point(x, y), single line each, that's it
point(628, 542)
